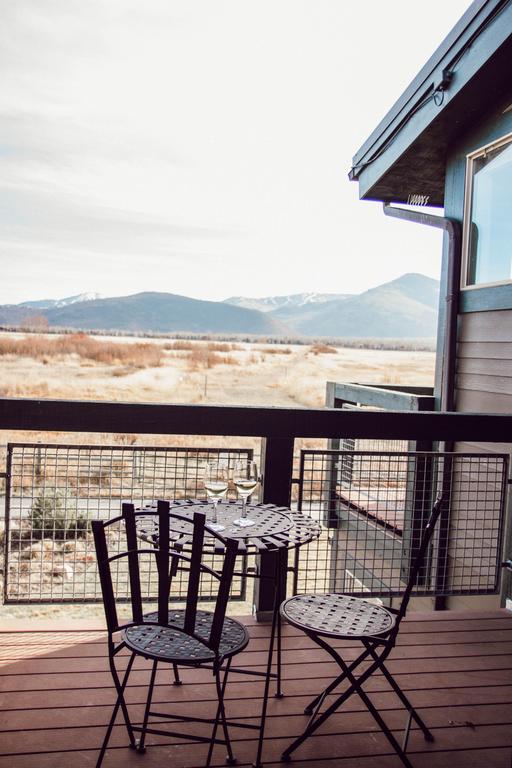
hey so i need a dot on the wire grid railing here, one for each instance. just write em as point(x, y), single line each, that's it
point(54, 491)
point(374, 506)
point(368, 444)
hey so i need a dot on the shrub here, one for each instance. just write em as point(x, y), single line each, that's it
point(322, 349)
point(203, 357)
point(49, 519)
point(222, 346)
point(179, 345)
point(275, 350)
point(39, 347)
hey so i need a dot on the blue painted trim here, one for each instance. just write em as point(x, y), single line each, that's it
point(485, 299)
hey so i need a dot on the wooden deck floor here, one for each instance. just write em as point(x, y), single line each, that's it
point(56, 697)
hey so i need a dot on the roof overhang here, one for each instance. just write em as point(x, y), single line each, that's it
point(466, 76)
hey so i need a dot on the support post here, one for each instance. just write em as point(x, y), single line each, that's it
point(277, 470)
point(330, 517)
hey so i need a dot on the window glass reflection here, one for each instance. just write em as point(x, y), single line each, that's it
point(490, 234)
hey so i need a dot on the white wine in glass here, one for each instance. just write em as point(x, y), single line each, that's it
point(216, 487)
point(245, 479)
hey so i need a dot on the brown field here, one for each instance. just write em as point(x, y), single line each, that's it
point(78, 366)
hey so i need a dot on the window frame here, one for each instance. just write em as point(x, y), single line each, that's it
point(468, 206)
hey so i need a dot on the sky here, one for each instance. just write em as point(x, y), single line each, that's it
point(202, 147)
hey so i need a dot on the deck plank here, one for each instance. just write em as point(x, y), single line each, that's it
point(56, 695)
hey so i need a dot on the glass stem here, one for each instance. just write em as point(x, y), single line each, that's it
point(244, 507)
point(214, 516)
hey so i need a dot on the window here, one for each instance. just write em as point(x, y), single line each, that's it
point(487, 243)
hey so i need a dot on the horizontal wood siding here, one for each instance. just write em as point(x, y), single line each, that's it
point(491, 366)
point(484, 362)
point(484, 384)
point(486, 326)
point(482, 350)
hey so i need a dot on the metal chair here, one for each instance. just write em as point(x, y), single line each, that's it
point(184, 637)
point(329, 617)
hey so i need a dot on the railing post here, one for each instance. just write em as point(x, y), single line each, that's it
point(7, 531)
point(331, 517)
point(277, 470)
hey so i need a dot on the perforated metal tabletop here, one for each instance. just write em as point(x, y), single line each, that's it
point(275, 527)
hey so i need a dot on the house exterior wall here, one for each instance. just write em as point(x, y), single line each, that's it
point(483, 379)
point(484, 362)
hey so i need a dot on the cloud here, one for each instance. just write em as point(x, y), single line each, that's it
point(197, 138)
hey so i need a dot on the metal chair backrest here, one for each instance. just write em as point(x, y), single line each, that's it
point(168, 563)
point(419, 560)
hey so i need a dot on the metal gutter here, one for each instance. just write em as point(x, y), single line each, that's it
point(453, 229)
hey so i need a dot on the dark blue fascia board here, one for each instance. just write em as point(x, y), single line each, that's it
point(482, 49)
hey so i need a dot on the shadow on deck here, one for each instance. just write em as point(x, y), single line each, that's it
point(56, 697)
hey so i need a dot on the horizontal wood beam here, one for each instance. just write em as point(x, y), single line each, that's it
point(149, 418)
point(380, 397)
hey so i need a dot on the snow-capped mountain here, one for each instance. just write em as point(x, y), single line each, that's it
point(402, 308)
point(55, 303)
point(271, 303)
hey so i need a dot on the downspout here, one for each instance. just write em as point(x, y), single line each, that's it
point(447, 394)
point(453, 230)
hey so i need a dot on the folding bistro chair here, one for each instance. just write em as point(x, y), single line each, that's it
point(178, 637)
point(333, 617)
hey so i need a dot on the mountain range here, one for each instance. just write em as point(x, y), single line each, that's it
point(275, 303)
point(403, 308)
point(50, 303)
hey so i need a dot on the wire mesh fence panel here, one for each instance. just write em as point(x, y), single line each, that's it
point(54, 491)
point(369, 444)
point(374, 507)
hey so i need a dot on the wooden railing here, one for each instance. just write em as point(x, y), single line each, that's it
point(279, 423)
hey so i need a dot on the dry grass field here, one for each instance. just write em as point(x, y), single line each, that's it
point(78, 366)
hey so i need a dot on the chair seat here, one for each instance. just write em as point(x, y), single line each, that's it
point(172, 644)
point(333, 615)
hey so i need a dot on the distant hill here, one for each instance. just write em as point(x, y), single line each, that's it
point(160, 312)
point(402, 308)
point(405, 307)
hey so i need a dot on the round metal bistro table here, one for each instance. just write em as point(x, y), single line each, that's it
point(276, 530)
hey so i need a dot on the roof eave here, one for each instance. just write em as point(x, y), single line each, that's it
point(405, 155)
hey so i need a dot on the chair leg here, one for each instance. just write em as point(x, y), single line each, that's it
point(140, 746)
point(316, 723)
point(177, 679)
point(279, 691)
point(355, 687)
point(230, 759)
point(266, 689)
point(218, 715)
point(405, 701)
point(318, 700)
point(380, 722)
point(120, 702)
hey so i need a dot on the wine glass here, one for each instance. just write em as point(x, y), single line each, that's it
point(216, 486)
point(245, 479)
